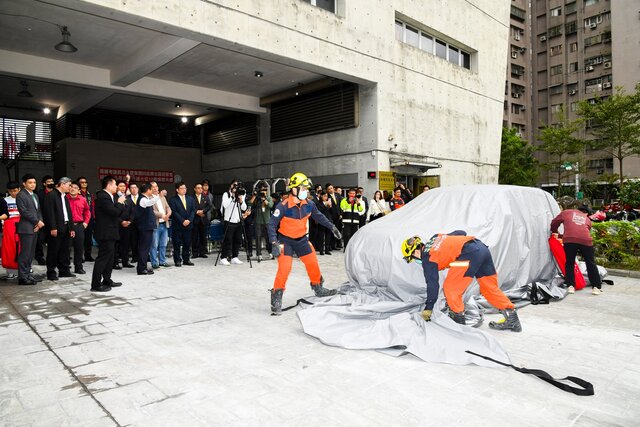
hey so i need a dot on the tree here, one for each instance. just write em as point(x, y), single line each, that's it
point(561, 146)
point(517, 164)
point(630, 194)
point(615, 125)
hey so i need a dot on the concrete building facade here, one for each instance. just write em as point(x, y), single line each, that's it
point(419, 83)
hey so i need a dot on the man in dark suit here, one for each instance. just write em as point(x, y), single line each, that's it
point(28, 226)
point(47, 186)
point(146, 224)
point(126, 225)
point(106, 233)
point(183, 208)
point(336, 218)
point(200, 223)
point(57, 220)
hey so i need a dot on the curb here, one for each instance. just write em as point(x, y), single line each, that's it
point(624, 273)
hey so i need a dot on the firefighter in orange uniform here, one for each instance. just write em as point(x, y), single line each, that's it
point(466, 257)
point(288, 236)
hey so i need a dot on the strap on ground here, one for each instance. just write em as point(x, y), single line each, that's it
point(585, 388)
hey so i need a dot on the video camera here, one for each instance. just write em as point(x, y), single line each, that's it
point(238, 188)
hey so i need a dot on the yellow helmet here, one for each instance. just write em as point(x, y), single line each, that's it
point(409, 246)
point(298, 179)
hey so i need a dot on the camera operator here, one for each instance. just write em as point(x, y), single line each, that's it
point(233, 205)
point(262, 203)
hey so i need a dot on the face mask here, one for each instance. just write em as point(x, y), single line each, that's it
point(418, 261)
point(51, 185)
point(302, 194)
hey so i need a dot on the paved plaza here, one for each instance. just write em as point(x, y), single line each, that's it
point(196, 346)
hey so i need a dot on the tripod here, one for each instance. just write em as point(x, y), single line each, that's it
point(236, 205)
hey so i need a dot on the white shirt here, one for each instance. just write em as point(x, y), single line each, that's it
point(64, 207)
point(230, 209)
point(145, 202)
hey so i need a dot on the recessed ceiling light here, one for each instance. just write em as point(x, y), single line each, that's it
point(178, 105)
point(258, 74)
point(184, 119)
point(46, 110)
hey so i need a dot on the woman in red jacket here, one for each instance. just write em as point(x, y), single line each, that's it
point(577, 237)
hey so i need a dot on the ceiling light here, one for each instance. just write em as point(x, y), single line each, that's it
point(65, 45)
point(184, 119)
point(178, 105)
point(24, 93)
point(46, 110)
point(258, 74)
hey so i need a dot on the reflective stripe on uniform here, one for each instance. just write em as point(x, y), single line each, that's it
point(459, 264)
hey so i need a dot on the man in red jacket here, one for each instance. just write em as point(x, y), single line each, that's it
point(80, 218)
point(577, 237)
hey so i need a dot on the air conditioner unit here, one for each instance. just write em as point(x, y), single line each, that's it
point(589, 68)
point(543, 38)
point(573, 92)
point(516, 37)
point(606, 85)
point(514, 55)
point(593, 25)
point(523, 108)
point(523, 50)
point(592, 101)
point(515, 95)
point(598, 60)
point(607, 64)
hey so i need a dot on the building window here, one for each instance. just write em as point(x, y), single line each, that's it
point(556, 108)
point(573, 67)
point(556, 11)
point(573, 47)
point(430, 44)
point(555, 90)
point(555, 50)
point(572, 88)
point(590, 41)
point(556, 70)
point(518, 13)
point(570, 8)
point(517, 33)
point(555, 31)
point(571, 27)
point(517, 71)
point(574, 107)
point(590, 2)
point(329, 5)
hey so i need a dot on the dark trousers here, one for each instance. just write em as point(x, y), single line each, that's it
point(78, 245)
point(335, 243)
point(124, 244)
point(133, 241)
point(249, 231)
point(348, 230)
point(39, 244)
point(588, 254)
point(58, 251)
point(181, 239)
point(323, 240)
point(199, 238)
point(27, 252)
point(88, 238)
point(261, 232)
point(104, 263)
point(145, 237)
point(232, 239)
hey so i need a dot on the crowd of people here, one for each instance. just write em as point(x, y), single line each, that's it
point(131, 224)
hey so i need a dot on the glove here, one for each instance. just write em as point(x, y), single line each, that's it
point(336, 232)
point(275, 249)
point(426, 315)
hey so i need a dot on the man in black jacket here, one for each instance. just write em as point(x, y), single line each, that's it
point(47, 186)
point(126, 225)
point(146, 224)
point(106, 233)
point(57, 225)
point(183, 209)
point(200, 223)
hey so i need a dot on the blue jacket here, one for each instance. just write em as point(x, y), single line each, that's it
point(179, 214)
point(291, 216)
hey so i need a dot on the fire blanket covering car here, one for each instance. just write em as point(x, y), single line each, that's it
point(380, 306)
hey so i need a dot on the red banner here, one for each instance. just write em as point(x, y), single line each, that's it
point(137, 175)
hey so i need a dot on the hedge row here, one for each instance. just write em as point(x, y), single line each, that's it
point(617, 244)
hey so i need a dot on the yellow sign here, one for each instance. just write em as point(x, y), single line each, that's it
point(387, 181)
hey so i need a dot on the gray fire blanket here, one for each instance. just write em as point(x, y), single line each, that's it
point(380, 306)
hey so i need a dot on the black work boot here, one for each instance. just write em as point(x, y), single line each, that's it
point(321, 291)
point(510, 321)
point(457, 317)
point(276, 301)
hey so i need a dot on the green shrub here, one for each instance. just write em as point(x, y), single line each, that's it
point(617, 244)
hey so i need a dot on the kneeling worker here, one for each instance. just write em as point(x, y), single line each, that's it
point(466, 257)
point(288, 235)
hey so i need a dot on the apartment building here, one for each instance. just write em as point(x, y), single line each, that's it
point(517, 88)
point(574, 47)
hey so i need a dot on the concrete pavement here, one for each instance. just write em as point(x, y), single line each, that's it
point(196, 346)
